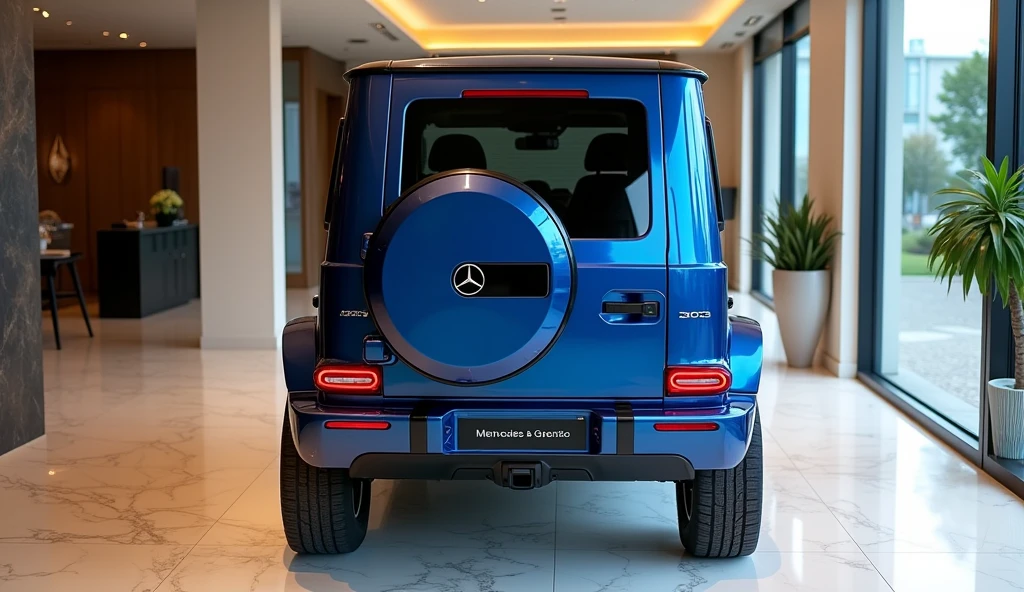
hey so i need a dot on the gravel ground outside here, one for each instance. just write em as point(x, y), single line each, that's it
point(940, 336)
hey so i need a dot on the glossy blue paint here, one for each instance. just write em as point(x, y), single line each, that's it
point(629, 358)
point(746, 353)
point(598, 360)
point(430, 233)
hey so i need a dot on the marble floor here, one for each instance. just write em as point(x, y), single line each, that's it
point(159, 472)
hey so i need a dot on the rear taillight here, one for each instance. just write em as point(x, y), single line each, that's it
point(357, 425)
point(706, 426)
point(697, 380)
point(348, 379)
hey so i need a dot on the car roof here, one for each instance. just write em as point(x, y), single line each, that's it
point(527, 63)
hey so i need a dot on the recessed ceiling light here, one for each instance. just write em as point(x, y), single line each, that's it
point(142, 44)
point(557, 10)
point(559, 18)
point(357, 40)
point(35, 9)
point(384, 31)
point(727, 45)
point(739, 33)
point(750, 22)
point(68, 23)
point(46, 14)
point(106, 33)
point(481, 1)
point(123, 35)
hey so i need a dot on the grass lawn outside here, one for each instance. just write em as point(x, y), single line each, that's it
point(914, 264)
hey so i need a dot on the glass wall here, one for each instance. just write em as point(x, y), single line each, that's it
point(782, 97)
point(939, 93)
point(802, 132)
point(936, 120)
point(771, 153)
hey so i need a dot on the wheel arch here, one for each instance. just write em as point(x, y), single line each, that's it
point(746, 351)
point(299, 353)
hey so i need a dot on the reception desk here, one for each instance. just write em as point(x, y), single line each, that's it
point(144, 271)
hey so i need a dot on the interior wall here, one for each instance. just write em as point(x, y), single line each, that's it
point(323, 86)
point(21, 355)
point(122, 115)
point(834, 163)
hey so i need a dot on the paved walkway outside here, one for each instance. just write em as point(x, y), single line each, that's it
point(940, 336)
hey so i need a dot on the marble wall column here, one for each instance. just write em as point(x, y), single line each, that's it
point(21, 361)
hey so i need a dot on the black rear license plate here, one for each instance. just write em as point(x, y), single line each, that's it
point(513, 434)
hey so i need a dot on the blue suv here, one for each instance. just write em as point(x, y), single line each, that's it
point(523, 283)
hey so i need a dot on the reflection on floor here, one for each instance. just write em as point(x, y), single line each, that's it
point(159, 471)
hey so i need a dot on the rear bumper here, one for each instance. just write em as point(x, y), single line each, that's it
point(624, 445)
point(543, 468)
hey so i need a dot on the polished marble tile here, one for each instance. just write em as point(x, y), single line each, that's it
point(116, 444)
point(612, 516)
point(62, 567)
point(169, 453)
point(635, 570)
point(440, 569)
point(115, 505)
point(959, 572)
point(409, 514)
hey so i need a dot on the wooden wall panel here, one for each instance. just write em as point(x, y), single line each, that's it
point(103, 175)
point(177, 144)
point(123, 115)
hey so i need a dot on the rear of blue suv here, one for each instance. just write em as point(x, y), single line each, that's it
point(523, 283)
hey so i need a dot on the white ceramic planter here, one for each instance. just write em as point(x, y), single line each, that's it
point(801, 305)
point(1006, 412)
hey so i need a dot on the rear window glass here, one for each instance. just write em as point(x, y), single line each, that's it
point(587, 158)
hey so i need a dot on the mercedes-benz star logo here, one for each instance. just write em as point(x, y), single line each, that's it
point(468, 279)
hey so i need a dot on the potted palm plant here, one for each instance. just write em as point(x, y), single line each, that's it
point(799, 245)
point(979, 237)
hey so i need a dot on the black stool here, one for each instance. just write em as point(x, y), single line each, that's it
point(49, 265)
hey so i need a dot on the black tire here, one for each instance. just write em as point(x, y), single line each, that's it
point(720, 510)
point(324, 510)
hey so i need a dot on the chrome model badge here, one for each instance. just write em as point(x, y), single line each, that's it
point(468, 279)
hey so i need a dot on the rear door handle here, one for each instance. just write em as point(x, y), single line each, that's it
point(644, 309)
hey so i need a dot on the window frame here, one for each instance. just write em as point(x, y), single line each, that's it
point(779, 35)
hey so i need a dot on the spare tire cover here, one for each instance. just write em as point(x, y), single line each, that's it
point(445, 223)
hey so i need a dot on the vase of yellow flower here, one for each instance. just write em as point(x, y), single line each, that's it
point(166, 206)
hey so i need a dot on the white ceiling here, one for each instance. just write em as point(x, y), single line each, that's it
point(325, 25)
point(465, 12)
point(329, 25)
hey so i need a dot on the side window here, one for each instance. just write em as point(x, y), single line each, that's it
point(587, 158)
point(716, 183)
point(336, 168)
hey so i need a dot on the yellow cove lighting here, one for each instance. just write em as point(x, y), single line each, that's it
point(429, 33)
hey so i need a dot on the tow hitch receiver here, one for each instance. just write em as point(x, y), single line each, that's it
point(519, 475)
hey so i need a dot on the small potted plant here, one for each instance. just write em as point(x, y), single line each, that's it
point(799, 245)
point(166, 206)
point(979, 237)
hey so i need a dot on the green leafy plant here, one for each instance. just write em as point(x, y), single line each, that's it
point(980, 237)
point(165, 201)
point(796, 239)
